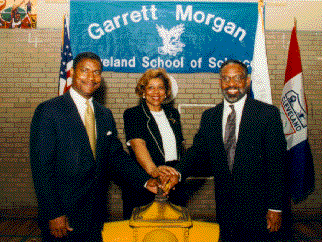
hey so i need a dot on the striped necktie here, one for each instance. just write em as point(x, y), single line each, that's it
point(230, 137)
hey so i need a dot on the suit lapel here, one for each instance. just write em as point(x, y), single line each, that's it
point(76, 126)
point(106, 131)
point(218, 137)
point(216, 125)
point(219, 129)
point(245, 127)
point(101, 124)
point(153, 128)
point(246, 121)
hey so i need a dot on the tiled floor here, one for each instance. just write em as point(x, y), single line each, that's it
point(26, 230)
point(19, 230)
point(307, 231)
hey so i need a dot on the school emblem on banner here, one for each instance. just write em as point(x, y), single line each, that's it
point(171, 40)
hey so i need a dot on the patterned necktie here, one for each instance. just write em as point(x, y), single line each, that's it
point(90, 127)
point(230, 137)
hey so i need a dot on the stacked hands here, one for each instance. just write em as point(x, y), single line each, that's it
point(164, 178)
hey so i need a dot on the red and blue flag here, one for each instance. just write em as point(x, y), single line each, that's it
point(295, 122)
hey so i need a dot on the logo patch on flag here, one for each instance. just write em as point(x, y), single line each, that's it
point(294, 114)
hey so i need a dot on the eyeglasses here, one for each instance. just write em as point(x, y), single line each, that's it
point(237, 79)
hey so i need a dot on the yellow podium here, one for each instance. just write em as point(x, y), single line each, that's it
point(160, 221)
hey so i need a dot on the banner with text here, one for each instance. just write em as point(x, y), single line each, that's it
point(182, 37)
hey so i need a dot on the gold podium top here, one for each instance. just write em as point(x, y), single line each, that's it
point(160, 213)
point(160, 221)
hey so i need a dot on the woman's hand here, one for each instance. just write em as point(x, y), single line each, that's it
point(167, 176)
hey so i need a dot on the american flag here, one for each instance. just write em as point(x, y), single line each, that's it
point(66, 62)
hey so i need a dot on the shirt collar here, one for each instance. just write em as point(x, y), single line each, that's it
point(237, 105)
point(77, 98)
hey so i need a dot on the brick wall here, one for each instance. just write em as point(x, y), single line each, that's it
point(29, 67)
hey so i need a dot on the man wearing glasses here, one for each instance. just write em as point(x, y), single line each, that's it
point(242, 141)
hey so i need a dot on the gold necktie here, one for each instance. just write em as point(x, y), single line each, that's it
point(90, 127)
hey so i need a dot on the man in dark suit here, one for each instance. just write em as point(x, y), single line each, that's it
point(242, 144)
point(74, 150)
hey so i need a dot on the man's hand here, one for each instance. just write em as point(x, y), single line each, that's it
point(59, 227)
point(274, 220)
point(164, 171)
point(153, 185)
point(168, 182)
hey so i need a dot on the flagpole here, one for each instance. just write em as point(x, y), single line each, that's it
point(61, 49)
point(62, 32)
point(260, 10)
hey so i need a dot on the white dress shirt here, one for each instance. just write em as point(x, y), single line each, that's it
point(238, 106)
point(167, 135)
point(80, 103)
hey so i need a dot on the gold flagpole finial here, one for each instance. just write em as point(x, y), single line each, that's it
point(62, 33)
point(260, 11)
point(295, 22)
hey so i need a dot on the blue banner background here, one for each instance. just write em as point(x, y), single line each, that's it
point(135, 45)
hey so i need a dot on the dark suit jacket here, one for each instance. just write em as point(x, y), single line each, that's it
point(139, 123)
point(255, 185)
point(67, 179)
